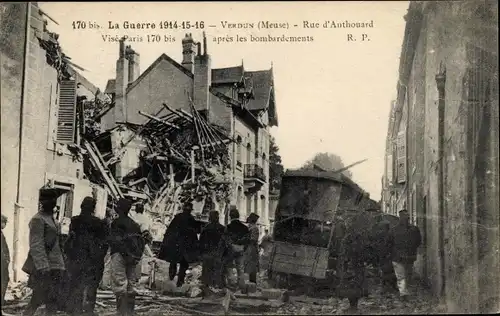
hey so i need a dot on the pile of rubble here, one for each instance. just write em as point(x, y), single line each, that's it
point(185, 159)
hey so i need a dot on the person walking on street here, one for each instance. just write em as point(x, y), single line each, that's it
point(180, 243)
point(266, 242)
point(45, 262)
point(85, 249)
point(237, 238)
point(381, 252)
point(252, 250)
point(404, 241)
point(144, 221)
point(127, 246)
point(211, 250)
point(351, 267)
point(5, 261)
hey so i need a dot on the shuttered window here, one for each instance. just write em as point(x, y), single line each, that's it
point(66, 116)
point(389, 166)
point(401, 160)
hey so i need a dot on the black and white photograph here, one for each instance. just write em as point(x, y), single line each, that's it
point(249, 158)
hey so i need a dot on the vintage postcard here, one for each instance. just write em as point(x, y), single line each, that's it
point(257, 158)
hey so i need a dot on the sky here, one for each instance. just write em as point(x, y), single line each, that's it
point(332, 95)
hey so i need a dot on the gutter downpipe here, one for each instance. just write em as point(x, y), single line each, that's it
point(441, 83)
point(17, 205)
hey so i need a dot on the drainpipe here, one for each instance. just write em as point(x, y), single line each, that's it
point(17, 205)
point(234, 161)
point(409, 204)
point(441, 83)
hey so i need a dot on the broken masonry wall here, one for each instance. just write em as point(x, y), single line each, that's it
point(130, 153)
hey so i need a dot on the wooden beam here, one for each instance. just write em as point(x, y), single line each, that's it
point(179, 113)
point(192, 166)
point(196, 147)
point(186, 113)
point(158, 120)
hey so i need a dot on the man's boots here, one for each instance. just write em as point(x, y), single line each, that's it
point(131, 304)
point(121, 305)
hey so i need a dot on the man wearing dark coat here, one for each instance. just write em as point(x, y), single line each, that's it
point(180, 243)
point(252, 250)
point(5, 261)
point(127, 247)
point(211, 250)
point(237, 238)
point(352, 269)
point(45, 262)
point(381, 248)
point(404, 242)
point(85, 249)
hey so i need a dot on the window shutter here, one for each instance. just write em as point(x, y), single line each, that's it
point(401, 160)
point(389, 167)
point(66, 116)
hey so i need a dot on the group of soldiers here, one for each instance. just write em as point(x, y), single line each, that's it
point(219, 248)
point(392, 250)
point(65, 273)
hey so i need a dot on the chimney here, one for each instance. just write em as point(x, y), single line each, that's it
point(188, 52)
point(133, 64)
point(202, 78)
point(121, 82)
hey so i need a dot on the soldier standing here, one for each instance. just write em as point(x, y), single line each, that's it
point(404, 242)
point(211, 250)
point(5, 261)
point(127, 247)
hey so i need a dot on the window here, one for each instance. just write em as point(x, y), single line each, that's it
point(249, 153)
point(264, 164)
point(401, 160)
point(389, 166)
point(263, 207)
point(248, 198)
point(66, 115)
point(238, 150)
point(239, 198)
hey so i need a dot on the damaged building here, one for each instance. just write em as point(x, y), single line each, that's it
point(40, 127)
point(236, 104)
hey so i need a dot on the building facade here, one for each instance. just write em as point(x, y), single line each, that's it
point(241, 102)
point(442, 150)
point(39, 128)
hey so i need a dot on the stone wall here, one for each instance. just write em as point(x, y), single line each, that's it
point(460, 254)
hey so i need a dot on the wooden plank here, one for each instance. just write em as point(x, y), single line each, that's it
point(158, 120)
point(292, 268)
point(196, 147)
point(96, 161)
point(179, 113)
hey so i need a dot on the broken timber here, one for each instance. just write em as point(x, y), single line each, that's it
point(99, 164)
